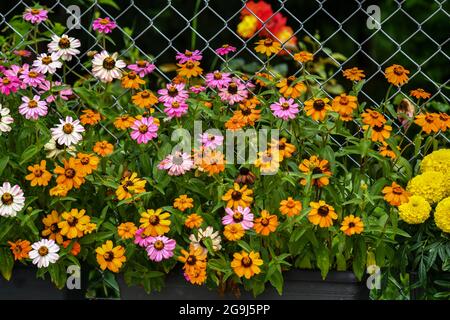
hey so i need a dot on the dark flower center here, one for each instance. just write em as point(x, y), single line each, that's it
point(70, 173)
point(54, 227)
point(143, 128)
point(7, 198)
point(85, 160)
point(32, 104)
point(43, 251)
point(145, 94)
point(132, 75)
point(265, 222)
point(46, 60)
point(72, 221)
point(217, 75)
point(238, 217)
point(398, 71)
point(232, 88)
point(285, 106)
point(323, 211)
point(64, 43)
point(109, 63)
point(68, 128)
point(351, 225)
point(244, 171)
point(154, 220)
point(158, 245)
point(378, 128)
point(141, 63)
point(173, 92)
point(236, 195)
point(246, 262)
point(319, 105)
point(108, 256)
point(268, 42)
point(32, 74)
point(38, 173)
point(191, 260)
point(317, 170)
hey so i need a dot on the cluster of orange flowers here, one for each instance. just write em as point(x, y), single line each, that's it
point(246, 115)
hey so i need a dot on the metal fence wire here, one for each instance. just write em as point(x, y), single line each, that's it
point(361, 12)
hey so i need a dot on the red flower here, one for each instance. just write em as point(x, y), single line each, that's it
point(268, 25)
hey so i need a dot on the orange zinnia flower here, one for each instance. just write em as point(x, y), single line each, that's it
point(379, 133)
point(87, 162)
point(429, 122)
point(144, 99)
point(193, 221)
point(70, 176)
point(396, 75)
point(317, 108)
point(235, 123)
point(315, 165)
point(238, 196)
point(212, 162)
point(267, 46)
point(266, 224)
point(444, 121)
point(123, 122)
point(290, 88)
point(419, 94)
point(303, 56)
point(183, 202)
point(20, 249)
point(103, 148)
point(353, 74)
point(290, 207)
point(190, 69)
point(321, 214)
point(373, 118)
point(395, 194)
point(90, 117)
point(344, 104)
point(39, 176)
point(131, 80)
point(285, 149)
point(76, 248)
point(352, 225)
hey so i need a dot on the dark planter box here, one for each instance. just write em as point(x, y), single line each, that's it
point(299, 285)
point(24, 285)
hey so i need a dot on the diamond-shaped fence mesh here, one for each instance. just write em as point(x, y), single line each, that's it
point(412, 33)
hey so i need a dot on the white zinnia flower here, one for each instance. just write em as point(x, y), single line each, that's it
point(11, 200)
point(54, 149)
point(106, 67)
point(68, 131)
point(5, 120)
point(44, 252)
point(64, 46)
point(197, 242)
point(47, 63)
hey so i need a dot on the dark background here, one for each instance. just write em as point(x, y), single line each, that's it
point(418, 51)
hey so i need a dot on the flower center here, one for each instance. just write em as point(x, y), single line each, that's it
point(173, 92)
point(285, 106)
point(38, 173)
point(145, 94)
point(244, 171)
point(398, 71)
point(35, 11)
point(319, 105)
point(343, 100)
point(217, 75)
point(46, 60)
point(158, 245)
point(5, 81)
point(54, 227)
point(109, 63)
point(378, 128)
point(191, 260)
point(397, 190)
point(290, 80)
point(238, 217)
point(190, 65)
point(68, 128)
point(323, 211)
point(429, 118)
point(64, 43)
point(132, 75)
point(7, 199)
point(104, 21)
point(154, 220)
point(265, 222)
point(69, 173)
point(290, 204)
point(17, 249)
point(43, 251)
point(32, 74)
point(85, 160)
point(32, 104)
point(175, 105)
point(232, 88)
point(108, 256)
point(268, 42)
point(143, 128)
point(188, 53)
point(141, 63)
point(178, 160)
point(236, 195)
point(246, 262)
point(316, 170)
point(72, 221)
point(351, 225)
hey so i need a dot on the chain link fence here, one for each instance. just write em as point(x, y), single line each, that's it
point(153, 17)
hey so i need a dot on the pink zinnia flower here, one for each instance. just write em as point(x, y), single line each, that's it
point(35, 15)
point(240, 215)
point(217, 79)
point(17, 72)
point(33, 108)
point(189, 56)
point(234, 92)
point(104, 25)
point(197, 89)
point(144, 130)
point(160, 248)
point(175, 109)
point(173, 92)
point(142, 67)
point(9, 83)
point(64, 94)
point(140, 238)
point(211, 141)
point(22, 53)
point(284, 109)
point(225, 49)
point(31, 77)
point(176, 164)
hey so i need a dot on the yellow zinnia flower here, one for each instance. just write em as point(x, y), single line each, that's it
point(110, 257)
point(238, 196)
point(126, 230)
point(234, 231)
point(74, 223)
point(246, 264)
point(155, 223)
point(268, 47)
point(39, 176)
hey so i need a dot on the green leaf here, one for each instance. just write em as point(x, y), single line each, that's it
point(3, 163)
point(6, 262)
point(323, 260)
point(29, 153)
point(359, 257)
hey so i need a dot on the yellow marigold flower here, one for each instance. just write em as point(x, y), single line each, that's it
point(238, 196)
point(247, 27)
point(234, 231)
point(39, 176)
point(51, 228)
point(415, 211)
point(110, 257)
point(123, 122)
point(155, 222)
point(193, 221)
point(74, 223)
point(126, 230)
point(183, 202)
point(268, 47)
point(438, 160)
point(431, 185)
point(442, 215)
point(352, 225)
point(131, 80)
point(303, 56)
point(246, 264)
point(190, 69)
point(396, 75)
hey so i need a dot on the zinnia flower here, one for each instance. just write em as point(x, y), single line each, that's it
point(176, 109)
point(290, 207)
point(73, 223)
point(217, 79)
point(67, 132)
point(141, 239)
point(321, 214)
point(314, 165)
point(354, 74)
point(188, 56)
point(32, 77)
point(126, 230)
point(317, 108)
point(160, 248)
point(103, 148)
point(173, 92)
point(419, 93)
point(238, 196)
point(211, 141)
point(5, 120)
point(33, 108)
point(35, 15)
point(266, 223)
point(70, 176)
point(110, 257)
point(291, 87)
point(240, 215)
point(267, 46)
point(352, 225)
point(225, 49)
point(129, 186)
point(183, 202)
point(142, 67)
point(202, 235)
point(47, 63)
point(177, 163)
point(20, 249)
point(155, 222)
point(144, 130)
point(234, 92)
point(285, 109)
point(39, 176)
point(189, 69)
point(395, 194)
point(51, 228)
point(429, 122)
point(65, 47)
point(44, 253)
point(11, 200)
point(396, 75)
point(234, 231)
point(106, 67)
point(246, 264)
point(104, 25)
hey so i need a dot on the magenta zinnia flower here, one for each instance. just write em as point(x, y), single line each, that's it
point(142, 67)
point(234, 92)
point(240, 215)
point(9, 83)
point(104, 25)
point(33, 108)
point(189, 56)
point(144, 130)
point(64, 94)
point(31, 77)
point(197, 89)
point(140, 238)
point(173, 92)
point(176, 164)
point(225, 49)
point(160, 248)
point(211, 141)
point(217, 79)
point(284, 109)
point(175, 109)
point(35, 15)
